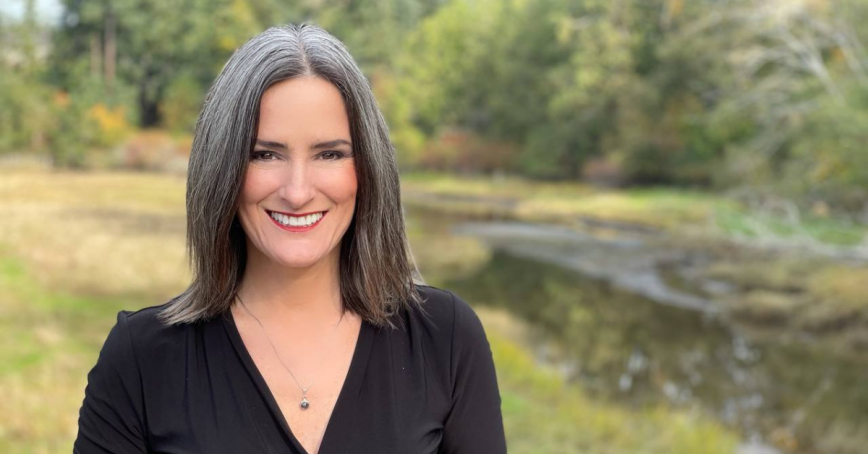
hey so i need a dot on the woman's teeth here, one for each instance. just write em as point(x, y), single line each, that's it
point(303, 221)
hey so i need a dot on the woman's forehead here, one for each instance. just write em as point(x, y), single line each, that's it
point(303, 112)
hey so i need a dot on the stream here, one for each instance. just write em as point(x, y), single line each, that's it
point(627, 318)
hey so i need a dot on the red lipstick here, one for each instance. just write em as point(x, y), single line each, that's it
point(294, 228)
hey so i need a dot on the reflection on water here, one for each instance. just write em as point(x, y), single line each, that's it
point(625, 346)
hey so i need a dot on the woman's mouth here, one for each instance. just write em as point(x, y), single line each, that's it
point(300, 223)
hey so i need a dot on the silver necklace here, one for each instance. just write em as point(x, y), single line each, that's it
point(304, 404)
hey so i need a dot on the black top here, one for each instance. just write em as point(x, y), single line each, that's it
point(428, 386)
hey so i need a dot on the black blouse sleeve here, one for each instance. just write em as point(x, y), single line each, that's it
point(110, 419)
point(475, 423)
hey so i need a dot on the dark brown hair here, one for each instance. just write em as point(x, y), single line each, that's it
point(377, 274)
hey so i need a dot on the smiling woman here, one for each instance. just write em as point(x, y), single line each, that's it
point(306, 328)
point(295, 176)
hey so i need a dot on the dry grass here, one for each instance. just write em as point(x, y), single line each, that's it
point(97, 234)
point(815, 295)
point(566, 201)
point(48, 342)
point(76, 248)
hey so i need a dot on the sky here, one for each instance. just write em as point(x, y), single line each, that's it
point(48, 11)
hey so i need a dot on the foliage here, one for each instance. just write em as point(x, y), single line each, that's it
point(120, 42)
point(798, 94)
point(745, 94)
point(750, 93)
point(180, 107)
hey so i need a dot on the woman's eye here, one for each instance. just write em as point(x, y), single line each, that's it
point(332, 155)
point(264, 155)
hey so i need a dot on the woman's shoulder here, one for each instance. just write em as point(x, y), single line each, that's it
point(146, 322)
point(446, 312)
point(148, 349)
point(441, 301)
point(147, 335)
point(460, 343)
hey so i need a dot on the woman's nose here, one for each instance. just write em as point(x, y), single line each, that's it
point(298, 187)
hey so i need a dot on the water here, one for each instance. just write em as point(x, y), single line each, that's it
point(625, 332)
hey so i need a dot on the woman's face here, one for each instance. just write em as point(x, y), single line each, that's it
point(299, 194)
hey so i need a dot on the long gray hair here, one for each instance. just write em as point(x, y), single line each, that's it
point(377, 273)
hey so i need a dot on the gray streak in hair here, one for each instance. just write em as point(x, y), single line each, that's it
point(377, 272)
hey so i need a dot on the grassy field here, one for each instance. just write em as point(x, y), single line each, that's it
point(657, 208)
point(77, 247)
point(74, 249)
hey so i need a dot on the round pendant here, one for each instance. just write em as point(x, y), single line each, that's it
point(304, 403)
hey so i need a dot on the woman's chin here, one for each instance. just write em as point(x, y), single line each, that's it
point(299, 262)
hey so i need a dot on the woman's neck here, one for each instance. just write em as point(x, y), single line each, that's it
point(307, 296)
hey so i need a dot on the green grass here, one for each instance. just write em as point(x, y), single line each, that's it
point(735, 221)
point(49, 342)
point(783, 288)
point(543, 414)
point(119, 246)
point(51, 339)
point(665, 208)
point(60, 291)
point(570, 198)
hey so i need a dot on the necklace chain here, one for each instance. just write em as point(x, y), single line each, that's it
point(304, 402)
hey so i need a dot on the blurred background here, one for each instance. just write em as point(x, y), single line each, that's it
point(658, 207)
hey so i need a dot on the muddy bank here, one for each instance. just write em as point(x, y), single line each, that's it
point(642, 319)
point(771, 290)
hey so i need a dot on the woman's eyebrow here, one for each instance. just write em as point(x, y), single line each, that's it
point(282, 146)
point(330, 144)
point(270, 144)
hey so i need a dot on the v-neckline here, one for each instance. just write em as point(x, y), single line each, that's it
point(350, 388)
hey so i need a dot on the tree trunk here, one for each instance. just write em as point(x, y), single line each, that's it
point(148, 107)
point(95, 56)
point(110, 51)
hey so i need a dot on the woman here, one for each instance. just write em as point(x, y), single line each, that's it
point(303, 330)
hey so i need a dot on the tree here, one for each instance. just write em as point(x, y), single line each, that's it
point(801, 78)
point(145, 44)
